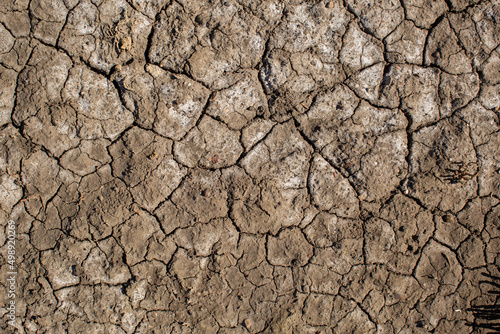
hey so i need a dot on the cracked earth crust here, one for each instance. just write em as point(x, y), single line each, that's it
point(242, 166)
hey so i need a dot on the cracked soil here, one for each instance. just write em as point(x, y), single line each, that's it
point(245, 166)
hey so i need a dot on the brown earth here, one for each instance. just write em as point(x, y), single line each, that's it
point(248, 166)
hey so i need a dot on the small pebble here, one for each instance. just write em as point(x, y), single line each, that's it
point(248, 324)
point(447, 218)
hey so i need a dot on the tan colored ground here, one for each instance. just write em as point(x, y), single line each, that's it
point(249, 166)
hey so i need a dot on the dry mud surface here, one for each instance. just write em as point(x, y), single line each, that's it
point(249, 166)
